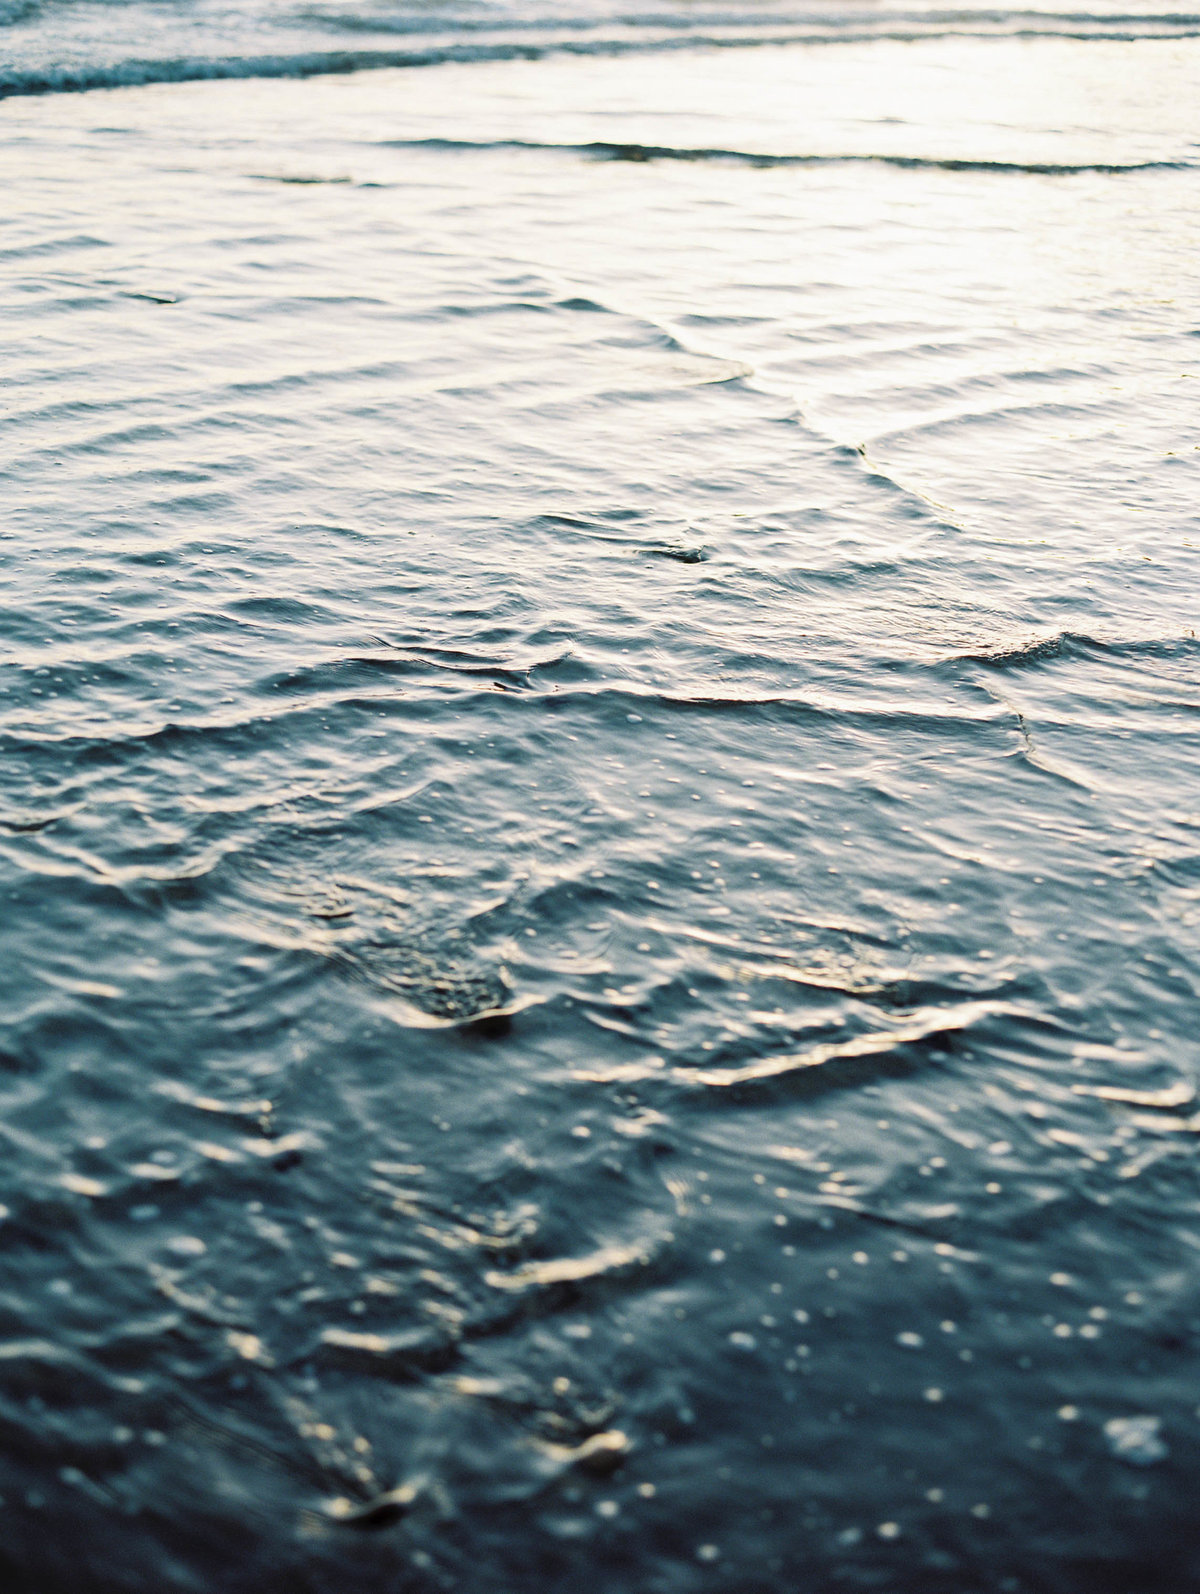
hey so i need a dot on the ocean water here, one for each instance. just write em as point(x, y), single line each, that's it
point(600, 800)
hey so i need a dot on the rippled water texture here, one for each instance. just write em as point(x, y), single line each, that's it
point(600, 828)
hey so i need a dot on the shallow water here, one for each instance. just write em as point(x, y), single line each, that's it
point(599, 826)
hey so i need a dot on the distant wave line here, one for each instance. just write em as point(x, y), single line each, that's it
point(606, 150)
point(817, 24)
point(17, 80)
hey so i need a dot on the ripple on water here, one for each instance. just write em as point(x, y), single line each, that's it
point(595, 833)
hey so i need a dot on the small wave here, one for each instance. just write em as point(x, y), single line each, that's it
point(407, 1351)
point(604, 150)
point(438, 987)
point(572, 1270)
point(1065, 644)
point(81, 77)
point(1030, 650)
point(838, 1064)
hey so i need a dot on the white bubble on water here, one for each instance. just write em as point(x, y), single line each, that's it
point(1135, 1439)
point(186, 1245)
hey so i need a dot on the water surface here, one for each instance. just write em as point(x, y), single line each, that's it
point(598, 824)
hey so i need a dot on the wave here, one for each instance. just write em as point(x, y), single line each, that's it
point(529, 42)
point(604, 150)
point(1072, 644)
point(830, 1065)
